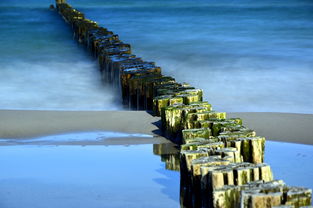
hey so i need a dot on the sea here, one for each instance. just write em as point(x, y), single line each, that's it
point(247, 55)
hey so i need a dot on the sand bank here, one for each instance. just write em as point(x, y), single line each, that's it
point(286, 127)
point(19, 124)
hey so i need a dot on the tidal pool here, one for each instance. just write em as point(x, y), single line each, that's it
point(91, 176)
point(291, 162)
point(46, 175)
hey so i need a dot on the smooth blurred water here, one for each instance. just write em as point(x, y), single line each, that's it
point(247, 55)
point(42, 67)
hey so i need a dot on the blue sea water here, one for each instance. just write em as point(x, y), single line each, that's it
point(247, 55)
point(42, 67)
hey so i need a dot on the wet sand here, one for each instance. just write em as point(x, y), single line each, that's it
point(288, 127)
point(23, 124)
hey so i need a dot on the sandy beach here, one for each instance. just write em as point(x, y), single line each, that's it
point(18, 124)
point(25, 124)
point(285, 127)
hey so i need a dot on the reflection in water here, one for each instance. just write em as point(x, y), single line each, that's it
point(169, 154)
point(299, 158)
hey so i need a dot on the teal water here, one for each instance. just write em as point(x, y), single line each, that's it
point(42, 67)
point(247, 55)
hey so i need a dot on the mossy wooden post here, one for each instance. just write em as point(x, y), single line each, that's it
point(165, 89)
point(142, 96)
point(265, 172)
point(255, 199)
point(160, 102)
point(117, 64)
point(191, 119)
point(57, 2)
point(131, 70)
point(134, 93)
point(185, 174)
point(231, 153)
point(223, 125)
point(243, 175)
point(195, 133)
point(120, 60)
point(237, 133)
point(189, 98)
point(174, 118)
point(136, 90)
point(112, 64)
point(210, 145)
point(196, 179)
point(298, 196)
point(225, 197)
point(257, 144)
point(150, 88)
point(204, 104)
point(190, 95)
point(173, 101)
point(119, 48)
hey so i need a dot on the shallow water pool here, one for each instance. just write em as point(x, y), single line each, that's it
point(90, 176)
point(95, 176)
point(291, 162)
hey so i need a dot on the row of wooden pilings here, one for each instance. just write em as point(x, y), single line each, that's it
point(221, 161)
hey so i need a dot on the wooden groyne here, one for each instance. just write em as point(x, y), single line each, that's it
point(221, 161)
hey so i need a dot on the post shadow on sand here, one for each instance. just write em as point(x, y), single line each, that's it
point(158, 131)
point(175, 139)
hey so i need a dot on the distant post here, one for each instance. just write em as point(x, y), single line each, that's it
point(60, 1)
point(57, 2)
